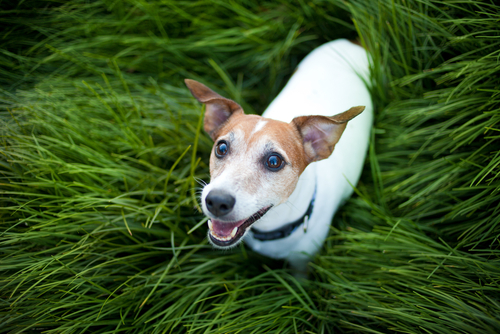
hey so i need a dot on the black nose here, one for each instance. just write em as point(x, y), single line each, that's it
point(219, 202)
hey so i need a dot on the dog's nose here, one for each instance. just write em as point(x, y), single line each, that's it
point(219, 202)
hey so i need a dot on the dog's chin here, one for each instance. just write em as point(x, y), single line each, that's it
point(225, 235)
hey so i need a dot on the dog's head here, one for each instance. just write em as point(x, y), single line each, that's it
point(256, 162)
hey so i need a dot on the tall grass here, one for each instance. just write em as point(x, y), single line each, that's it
point(102, 152)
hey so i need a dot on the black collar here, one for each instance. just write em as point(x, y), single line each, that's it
point(287, 229)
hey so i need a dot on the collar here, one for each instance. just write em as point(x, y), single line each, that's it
point(287, 229)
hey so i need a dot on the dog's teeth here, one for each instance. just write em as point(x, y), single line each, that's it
point(221, 238)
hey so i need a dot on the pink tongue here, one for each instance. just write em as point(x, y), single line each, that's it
point(224, 229)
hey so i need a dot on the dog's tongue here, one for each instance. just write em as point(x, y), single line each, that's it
point(223, 229)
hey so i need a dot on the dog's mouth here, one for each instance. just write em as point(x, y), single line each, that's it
point(225, 234)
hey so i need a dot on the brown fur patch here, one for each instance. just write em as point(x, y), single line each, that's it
point(282, 133)
point(248, 149)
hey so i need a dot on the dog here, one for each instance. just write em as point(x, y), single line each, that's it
point(277, 180)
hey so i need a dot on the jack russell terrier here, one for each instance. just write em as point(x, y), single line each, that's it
point(277, 179)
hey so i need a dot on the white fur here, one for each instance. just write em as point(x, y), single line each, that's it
point(328, 81)
point(259, 126)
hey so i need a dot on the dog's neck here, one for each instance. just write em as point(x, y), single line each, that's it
point(296, 205)
point(288, 229)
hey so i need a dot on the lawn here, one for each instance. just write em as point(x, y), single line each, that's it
point(102, 154)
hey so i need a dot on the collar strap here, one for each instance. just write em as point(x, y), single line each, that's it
point(287, 229)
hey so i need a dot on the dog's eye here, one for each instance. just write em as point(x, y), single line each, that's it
point(275, 162)
point(221, 149)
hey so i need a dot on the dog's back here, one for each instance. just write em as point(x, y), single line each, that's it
point(330, 80)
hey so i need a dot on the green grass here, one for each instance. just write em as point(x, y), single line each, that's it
point(101, 154)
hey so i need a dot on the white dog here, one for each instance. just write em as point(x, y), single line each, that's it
point(277, 180)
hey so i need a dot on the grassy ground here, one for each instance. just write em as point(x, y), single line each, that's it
point(101, 148)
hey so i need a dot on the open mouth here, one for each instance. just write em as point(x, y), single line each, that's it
point(225, 234)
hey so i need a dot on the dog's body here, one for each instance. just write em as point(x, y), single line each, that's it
point(285, 211)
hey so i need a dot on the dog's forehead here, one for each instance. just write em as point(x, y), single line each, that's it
point(258, 134)
point(252, 128)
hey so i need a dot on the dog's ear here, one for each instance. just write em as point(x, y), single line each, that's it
point(320, 134)
point(218, 109)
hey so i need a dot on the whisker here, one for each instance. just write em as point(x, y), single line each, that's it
point(200, 181)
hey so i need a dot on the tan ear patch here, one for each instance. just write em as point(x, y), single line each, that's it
point(218, 108)
point(320, 134)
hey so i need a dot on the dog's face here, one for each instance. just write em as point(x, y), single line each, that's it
point(256, 162)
